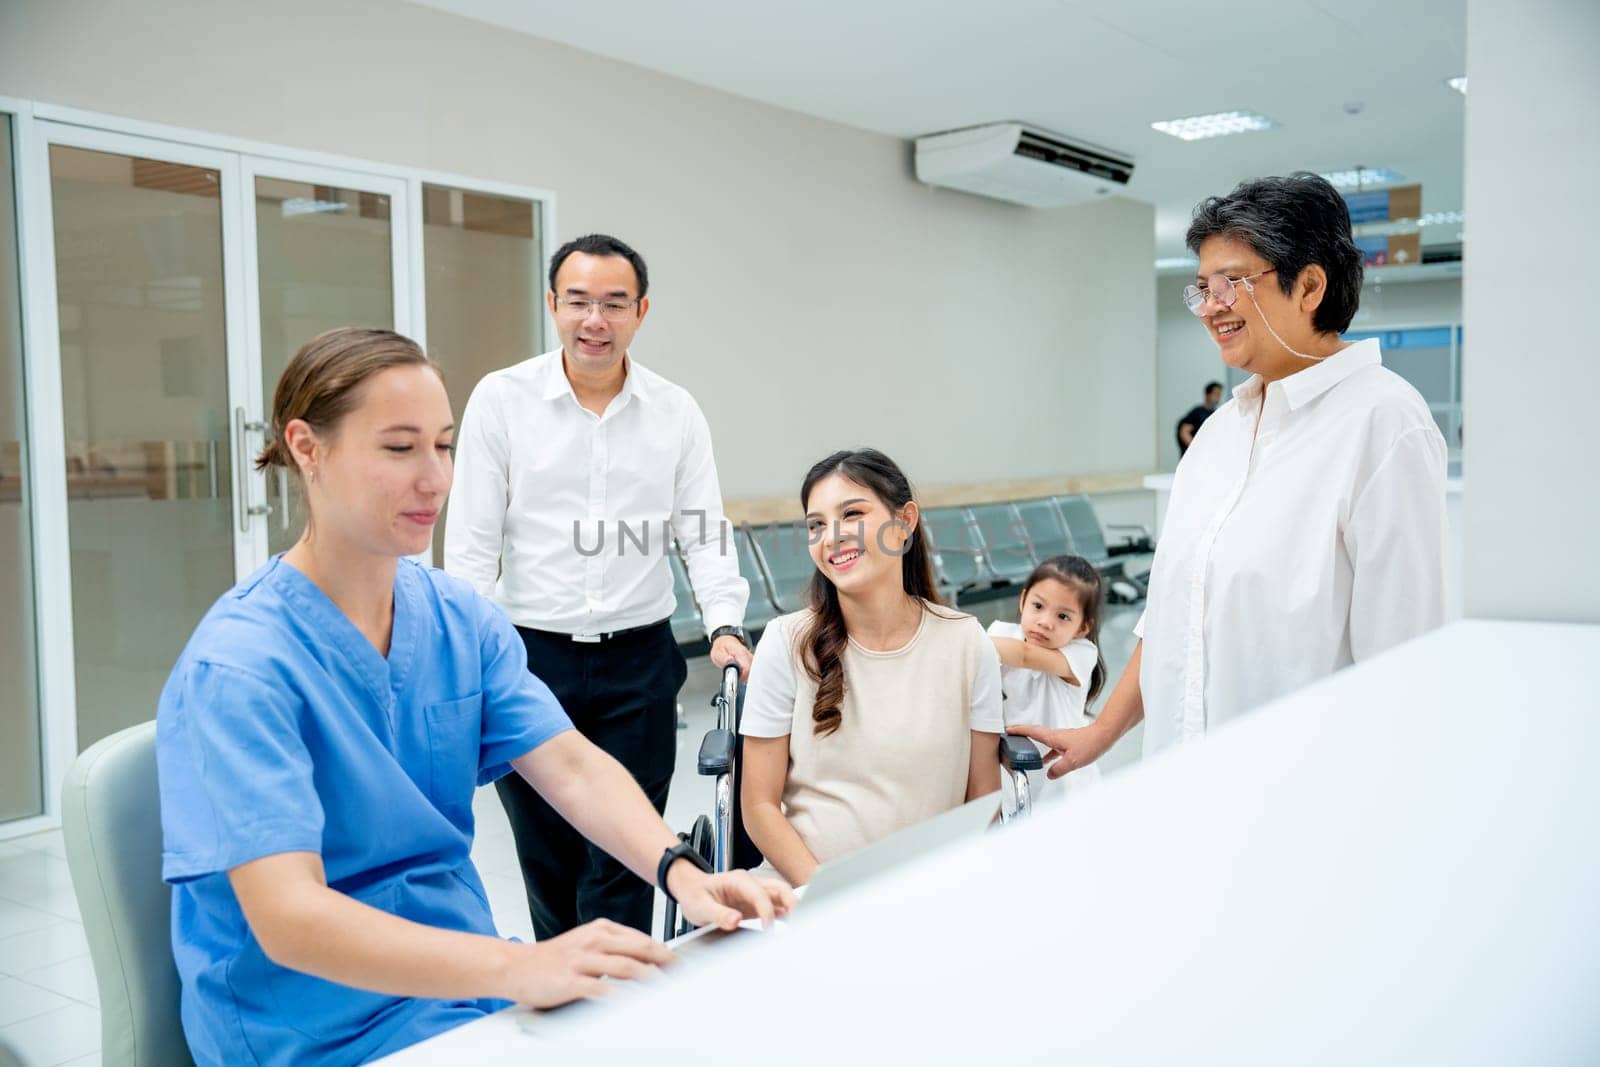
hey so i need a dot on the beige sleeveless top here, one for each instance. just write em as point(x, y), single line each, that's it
point(901, 753)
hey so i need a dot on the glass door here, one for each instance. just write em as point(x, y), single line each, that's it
point(329, 249)
point(147, 337)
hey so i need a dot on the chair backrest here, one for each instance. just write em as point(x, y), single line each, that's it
point(111, 822)
point(785, 551)
point(1047, 531)
point(1078, 513)
point(685, 622)
point(957, 557)
point(1006, 548)
point(759, 610)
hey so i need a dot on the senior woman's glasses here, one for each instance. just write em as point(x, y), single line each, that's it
point(610, 310)
point(1219, 287)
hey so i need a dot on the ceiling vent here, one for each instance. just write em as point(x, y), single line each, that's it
point(1022, 164)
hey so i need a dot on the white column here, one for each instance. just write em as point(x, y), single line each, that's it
point(1531, 402)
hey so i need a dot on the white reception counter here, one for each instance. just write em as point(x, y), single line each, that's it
point(1399, 864)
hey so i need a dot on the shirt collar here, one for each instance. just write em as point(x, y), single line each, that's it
point(1305, 386)
point(555, 384)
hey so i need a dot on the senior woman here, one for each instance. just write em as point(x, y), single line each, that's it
point(1306, 527)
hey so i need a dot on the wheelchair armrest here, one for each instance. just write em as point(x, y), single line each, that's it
point(1018, 753)
point(716, 753)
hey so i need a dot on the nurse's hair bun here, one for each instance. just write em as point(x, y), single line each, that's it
point(320, 383)
point(274, 454)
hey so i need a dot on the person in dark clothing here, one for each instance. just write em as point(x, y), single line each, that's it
point(1189, 425)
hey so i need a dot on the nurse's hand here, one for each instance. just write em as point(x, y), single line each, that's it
point(570, 967)
point(1069, 748)
point(726, 899)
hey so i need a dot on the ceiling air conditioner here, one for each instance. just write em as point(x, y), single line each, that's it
point(1010, 161)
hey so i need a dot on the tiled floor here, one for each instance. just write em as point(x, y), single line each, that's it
point(49, 1011)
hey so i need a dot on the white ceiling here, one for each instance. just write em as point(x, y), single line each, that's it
point(1101, 72)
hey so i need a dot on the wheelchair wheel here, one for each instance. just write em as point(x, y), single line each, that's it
point(702, 840)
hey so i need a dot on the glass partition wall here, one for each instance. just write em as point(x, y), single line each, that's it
point(164, 285)
point(485, 289)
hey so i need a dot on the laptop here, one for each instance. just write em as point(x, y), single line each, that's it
point(834, 879)
point(969, 820)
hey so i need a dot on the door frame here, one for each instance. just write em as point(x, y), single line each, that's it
point(37, 394)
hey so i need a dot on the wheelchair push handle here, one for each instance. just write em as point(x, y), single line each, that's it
point(727, 697)
point(1019, 754)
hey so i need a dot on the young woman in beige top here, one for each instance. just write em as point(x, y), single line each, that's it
point(874, 707)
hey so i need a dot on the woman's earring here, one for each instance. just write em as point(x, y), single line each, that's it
point(311, 474)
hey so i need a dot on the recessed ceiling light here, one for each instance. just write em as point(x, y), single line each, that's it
point(1441, 218)
point(1362, 177)
point(1176, 263)
point(1458, 84)
point(1220, 124)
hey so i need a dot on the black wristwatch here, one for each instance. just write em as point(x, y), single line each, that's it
point(681, 851)
point(736, 632)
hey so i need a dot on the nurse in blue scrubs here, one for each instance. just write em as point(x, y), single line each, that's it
point(319, 742)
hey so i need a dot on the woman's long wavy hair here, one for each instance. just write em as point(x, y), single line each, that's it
point(823, 642)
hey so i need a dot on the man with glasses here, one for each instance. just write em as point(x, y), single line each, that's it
point(574, 471)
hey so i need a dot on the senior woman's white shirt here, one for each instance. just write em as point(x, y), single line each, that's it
point(1296, 549)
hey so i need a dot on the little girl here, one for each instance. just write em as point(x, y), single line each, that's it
point(1050, 661)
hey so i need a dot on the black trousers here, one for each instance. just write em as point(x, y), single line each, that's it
point(622, 694)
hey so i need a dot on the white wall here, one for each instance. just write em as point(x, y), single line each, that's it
point(1187, 357)
point(1533, 222)
point(807, 290)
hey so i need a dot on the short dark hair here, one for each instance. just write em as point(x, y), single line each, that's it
point(1212, 385)
point(1292, 223)
point(601, 244)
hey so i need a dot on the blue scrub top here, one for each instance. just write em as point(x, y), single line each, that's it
point(283, 730)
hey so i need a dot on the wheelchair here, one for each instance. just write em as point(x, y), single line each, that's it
point(721, 838)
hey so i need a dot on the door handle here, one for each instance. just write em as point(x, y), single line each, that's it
point(242, 426)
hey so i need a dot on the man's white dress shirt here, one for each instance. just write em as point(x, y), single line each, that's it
point(564, 517)
point(1294, 549)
